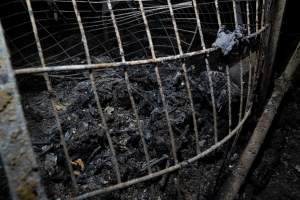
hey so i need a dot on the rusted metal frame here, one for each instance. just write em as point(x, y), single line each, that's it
point(133, 104)
point(208, 71)
point(52, 96)
point(169, 169)
point(186, 77)
point(58, 68)
point(241, 113)
point(158, 78)
point(94, 88)
point(18, 158)
point(110, 65)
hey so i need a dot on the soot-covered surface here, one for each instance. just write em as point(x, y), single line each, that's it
point(87, 144)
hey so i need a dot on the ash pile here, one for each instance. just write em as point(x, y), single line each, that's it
point(87, 143)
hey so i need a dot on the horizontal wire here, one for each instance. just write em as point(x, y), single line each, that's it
point(118, 64)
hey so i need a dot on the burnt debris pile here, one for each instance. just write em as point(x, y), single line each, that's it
point(85, 136)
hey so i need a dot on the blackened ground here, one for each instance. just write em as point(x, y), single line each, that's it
point(276, 174)
point(86, 139)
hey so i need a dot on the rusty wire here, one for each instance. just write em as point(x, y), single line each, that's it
point(52, 96)
point(117, 21)
point(139, 125)
point(208, 70)
point(94, 88)
point(187, 83)
point(158, 78)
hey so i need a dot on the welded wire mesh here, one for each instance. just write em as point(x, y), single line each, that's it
point(78, 39)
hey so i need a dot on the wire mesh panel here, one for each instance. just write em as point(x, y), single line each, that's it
point(117, 93)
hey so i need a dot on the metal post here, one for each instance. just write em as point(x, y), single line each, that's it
point(268, 66)
point(15, 146)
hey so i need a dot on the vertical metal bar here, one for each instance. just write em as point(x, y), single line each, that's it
point(15, 145)
point(218, 13)
point(249, 83)
point(256, 15)
point(165, 106)
point(241, 66)
point(52, 96)
point(227, 77)
point(139, 125)
point(237, 13)
point(140, 130)
point(188, 87)
point(268, 66)
point(117, 32)
point(248, 18)
point(208, 71)
point(242, 90)
point(229, 99)
point(251, 78)
point(94, 88)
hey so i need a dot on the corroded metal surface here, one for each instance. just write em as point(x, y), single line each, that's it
point(145, 12)
point(15, 145)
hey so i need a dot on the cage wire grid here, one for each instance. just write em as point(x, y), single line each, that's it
point(186, 25)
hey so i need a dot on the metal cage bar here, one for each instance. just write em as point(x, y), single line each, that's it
point(208, 71)
point(99, 107)
point(146, 12)
point(218, 13)
point(133, 104)
point(158, 78)
point(52, 96)
point(16, 150)
point(187, 83)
